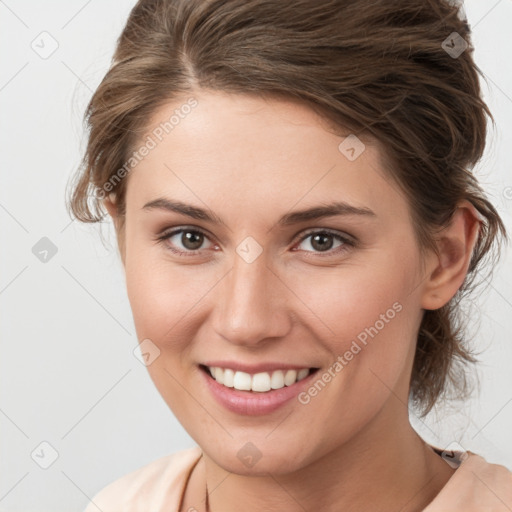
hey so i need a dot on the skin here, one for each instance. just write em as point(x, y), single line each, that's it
point(251, 160)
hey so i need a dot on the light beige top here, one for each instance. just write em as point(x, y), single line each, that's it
point(476, 485)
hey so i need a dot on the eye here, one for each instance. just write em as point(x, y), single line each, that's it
point(323, 241)
point(189, 241)
point(186, 240)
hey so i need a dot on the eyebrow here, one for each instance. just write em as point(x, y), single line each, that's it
point(296, 217)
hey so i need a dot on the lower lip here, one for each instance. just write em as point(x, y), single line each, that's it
point(253, 403)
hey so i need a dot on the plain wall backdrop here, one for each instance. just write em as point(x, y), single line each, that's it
point(69, 377)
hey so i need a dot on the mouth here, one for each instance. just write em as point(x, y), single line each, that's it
point(261, 382)
point(258, 393)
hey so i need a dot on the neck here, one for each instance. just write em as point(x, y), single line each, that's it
point(385, 463)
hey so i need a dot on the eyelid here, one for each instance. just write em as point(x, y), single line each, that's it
point(349, 239)
point(178, 229)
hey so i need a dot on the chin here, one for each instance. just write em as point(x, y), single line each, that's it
point(257, 457)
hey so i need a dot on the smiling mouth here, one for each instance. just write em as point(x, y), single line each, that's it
point(261, 382)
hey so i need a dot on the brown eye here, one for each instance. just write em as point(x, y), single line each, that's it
point(325, 242)
point(184, 241)
point(322, 242)
point(192, 240)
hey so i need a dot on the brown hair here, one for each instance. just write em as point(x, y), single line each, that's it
point(381, 69)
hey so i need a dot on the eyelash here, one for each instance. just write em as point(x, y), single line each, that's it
point(344, 239)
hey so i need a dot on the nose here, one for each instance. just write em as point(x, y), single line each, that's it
point(251, 305)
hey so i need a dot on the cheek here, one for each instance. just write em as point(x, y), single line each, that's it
point(366, 317)
point(164, 300)
point(165, 297)
point(159, 298)
point(351, 301)
point(372, 317)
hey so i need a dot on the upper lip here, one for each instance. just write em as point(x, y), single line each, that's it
point(255, 368)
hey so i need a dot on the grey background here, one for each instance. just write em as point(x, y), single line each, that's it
point(68, 374)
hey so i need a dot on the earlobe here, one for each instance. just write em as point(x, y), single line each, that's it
point(449, 267)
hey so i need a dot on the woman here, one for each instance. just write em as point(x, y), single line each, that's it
point(291, 190)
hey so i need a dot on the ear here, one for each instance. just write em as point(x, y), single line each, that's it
point(110, 204)
point(447, 270)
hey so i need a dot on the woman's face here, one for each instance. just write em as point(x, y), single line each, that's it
point(259, 289)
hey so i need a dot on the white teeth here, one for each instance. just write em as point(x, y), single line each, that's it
point(219, 375)
point(259, 382)
point(301, 374)
point(229, 377)
point(277, 380)
point(290, 377)
point(242, 381)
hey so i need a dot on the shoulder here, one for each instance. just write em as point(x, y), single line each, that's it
point(155, 486)
point(475, 485)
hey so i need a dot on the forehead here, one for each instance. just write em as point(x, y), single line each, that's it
point(242, 150)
